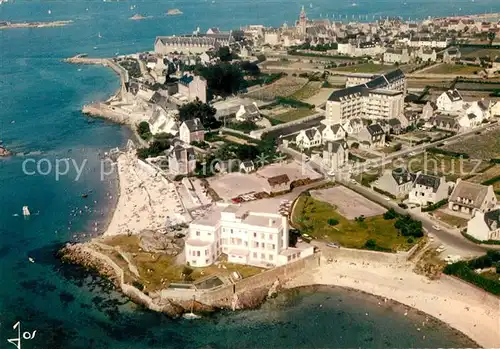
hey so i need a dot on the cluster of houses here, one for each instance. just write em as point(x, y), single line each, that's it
point(450, 112)
point(475, 202)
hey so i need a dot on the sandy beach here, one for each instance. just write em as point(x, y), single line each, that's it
point(465, 308)
point(147, 200)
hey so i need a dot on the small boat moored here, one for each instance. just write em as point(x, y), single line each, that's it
point(26, 211)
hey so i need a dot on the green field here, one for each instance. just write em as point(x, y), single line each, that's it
point(311, 216)
point(307, 91)
point(293, 114)
point(455, 69)
point(365, 68)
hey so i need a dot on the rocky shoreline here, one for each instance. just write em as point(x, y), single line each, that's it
point(4, 152)
point(84, 255)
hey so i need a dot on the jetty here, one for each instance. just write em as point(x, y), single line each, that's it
point(107, 62)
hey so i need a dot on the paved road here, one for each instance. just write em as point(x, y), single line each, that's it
point(444, 235)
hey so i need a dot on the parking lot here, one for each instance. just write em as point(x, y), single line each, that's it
point(349, 203)
point(249, 186)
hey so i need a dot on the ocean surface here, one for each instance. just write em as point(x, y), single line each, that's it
point(40, 120)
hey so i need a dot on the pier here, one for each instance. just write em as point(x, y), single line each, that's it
point(118, 69)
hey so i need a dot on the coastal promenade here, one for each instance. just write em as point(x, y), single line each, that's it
point(460, 305)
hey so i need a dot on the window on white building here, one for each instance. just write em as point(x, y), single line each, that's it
point(270, 257)
point(270, 236)
point(274, 246)
point(197, 233)
point(193, 262)
point(197, 253)
point(262, 256)
point(254, 235)
point(206, 252)
point(255, 255)
point(206, 261)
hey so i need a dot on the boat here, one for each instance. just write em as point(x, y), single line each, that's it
point(31, 260)
point(26, 211)
point(85, 196)
point(99, 35)
point(191, 315)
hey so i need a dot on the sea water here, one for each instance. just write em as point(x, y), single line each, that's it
point(40, 120)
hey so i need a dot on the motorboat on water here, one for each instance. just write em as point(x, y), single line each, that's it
point(191, 315)
point(26, 211)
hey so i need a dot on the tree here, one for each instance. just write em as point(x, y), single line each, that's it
point(261, 58)
point(370, 244)
point(224, 53)
point(144, 131)
point(491, 37)
point(332, 221)
point(202, 111)
point(390, 214)
point(250, 68)
point(222, 78)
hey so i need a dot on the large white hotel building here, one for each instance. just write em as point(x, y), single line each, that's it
point(254, 238)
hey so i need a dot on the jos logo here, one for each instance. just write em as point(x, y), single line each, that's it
point(25, 335)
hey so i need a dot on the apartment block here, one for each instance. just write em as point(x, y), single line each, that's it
point(253, 238)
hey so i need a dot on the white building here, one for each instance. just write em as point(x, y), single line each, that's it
point(468, 197)
point(164, 121)
point(259, 239)
point(379, 98)
point(193, 87)
point(485, 225)
point(428, 190)
point(450, 101)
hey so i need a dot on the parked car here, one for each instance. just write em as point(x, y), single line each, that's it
point(332, 245)
point(436, 227)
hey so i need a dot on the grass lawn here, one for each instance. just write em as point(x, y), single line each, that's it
point(453, 69)
point(309, 90)
point(157, 270)
point(293, 114)
point(483, 146)
point(311, 217)
point(482, 52)
point(441, 165)
point(366, 178)
point(365, 68)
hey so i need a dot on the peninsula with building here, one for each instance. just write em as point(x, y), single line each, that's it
point(356, 154)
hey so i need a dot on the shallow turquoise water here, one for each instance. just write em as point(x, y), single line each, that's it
point(40, 102)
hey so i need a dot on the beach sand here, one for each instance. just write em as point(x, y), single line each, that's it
point(147, 200)
point(464, 307)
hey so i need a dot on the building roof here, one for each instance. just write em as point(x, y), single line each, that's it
point(428, 181)
point(470, 191)
point(186, 79)
point(394, 122)
point(492, 219)
point(454, 95)
point(278, 180)
point(402, 176)
point(375, 129)
point(194, 125)
point(178, 150)
point(334, 146)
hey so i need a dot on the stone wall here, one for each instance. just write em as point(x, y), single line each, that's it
point(367, 255)
point(264, 279)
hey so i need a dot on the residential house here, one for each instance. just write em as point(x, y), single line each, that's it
point(181, 160)
point(253, 238)
point(192, 131)
point(279, 183)
point(249, 112)
point(450, 101)
point(227, 166)
point(164, 121)
point(247, 166)
point(193, 87)
point(425, 54)
point(353, 126)
point(308, 138)
point(445, 122)
point(452, 54)
point(428, 110)
point(371, 136)
point(495, 109)
point(397, 182)
point(396, 55)
point(428, 190)
point(335, 155)
point(485, 226)
point(395, 126)
point(332, 132)
point(469, 197)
